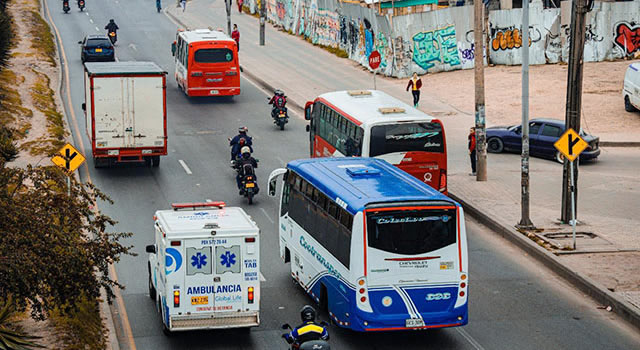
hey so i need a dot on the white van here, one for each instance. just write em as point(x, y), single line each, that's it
point(631, 88)
point(204, 270)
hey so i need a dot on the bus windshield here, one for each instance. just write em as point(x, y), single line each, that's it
point(406, 137)
point(221, 55)
point(411, 232)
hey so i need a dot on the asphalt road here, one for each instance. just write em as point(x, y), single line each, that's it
point(513, 303)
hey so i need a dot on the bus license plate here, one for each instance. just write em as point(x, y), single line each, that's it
point(202, 300)
point(213, 92)
point(250, 185)
point(414, 322)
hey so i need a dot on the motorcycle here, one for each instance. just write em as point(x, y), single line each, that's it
point(81, 5)
point(248, 184)
point(113, 37)
point(279, 115)
point(308, 345)
point(65, 6)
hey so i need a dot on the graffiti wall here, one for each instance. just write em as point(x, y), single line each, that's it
point(443, 40)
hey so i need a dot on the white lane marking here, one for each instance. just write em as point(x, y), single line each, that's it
point(469, 338)
point(90, 20)
point(267, 215)
point(97, 30)
point(262, 279)
point(185, 167)
point(133, 47)
point(87, 13)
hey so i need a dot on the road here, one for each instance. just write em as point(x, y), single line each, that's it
point(513, 303)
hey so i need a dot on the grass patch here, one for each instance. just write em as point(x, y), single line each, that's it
point(12, 113)
point(81, 328)
point(43, 100)
point(42, 37)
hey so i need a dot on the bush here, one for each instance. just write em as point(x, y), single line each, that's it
point(6, 34)
point(8, 149)
point(82, 328)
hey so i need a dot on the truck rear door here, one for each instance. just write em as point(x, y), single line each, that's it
point(109, 109)
point(145, 122)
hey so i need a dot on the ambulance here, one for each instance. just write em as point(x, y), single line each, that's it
point(204, 270)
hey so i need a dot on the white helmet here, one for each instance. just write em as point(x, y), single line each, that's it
point(245, 149)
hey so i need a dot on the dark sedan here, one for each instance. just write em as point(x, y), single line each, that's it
point(543, 133)
point(97, 48)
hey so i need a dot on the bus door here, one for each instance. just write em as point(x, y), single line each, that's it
point(214, 68)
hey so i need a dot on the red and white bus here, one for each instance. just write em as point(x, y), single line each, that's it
point(370, 123)
point(206, 63)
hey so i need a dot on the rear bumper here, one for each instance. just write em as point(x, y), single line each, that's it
point(214, 321)
point(456, 318)
point(129, 154)
point(213, 91)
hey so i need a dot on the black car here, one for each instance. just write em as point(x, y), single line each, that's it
point(97, 48)
point(543, 133)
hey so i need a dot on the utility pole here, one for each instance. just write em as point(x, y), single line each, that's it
point(574, 96)
point(481, 135)
point(525, 221)
point(228, 6)
point(263, 14)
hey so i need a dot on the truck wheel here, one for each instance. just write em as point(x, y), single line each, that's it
point(156, 161)
point(627, 105)
point(98, 162)
point(152, 289)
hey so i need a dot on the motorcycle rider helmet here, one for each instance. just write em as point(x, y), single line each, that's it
point(308, 313)
point(279, 92)
point(245, 150)
point(243, 129)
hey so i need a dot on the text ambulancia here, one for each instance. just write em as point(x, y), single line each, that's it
point(204, 267)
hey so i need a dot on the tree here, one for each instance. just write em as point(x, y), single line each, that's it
point(54, 248)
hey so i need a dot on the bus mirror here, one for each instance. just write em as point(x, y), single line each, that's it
point(307, 110)
point(151, 248)
point(308, 127)
point(272, 187)
point(273, 178)
point(173, 48)
point(84, 106)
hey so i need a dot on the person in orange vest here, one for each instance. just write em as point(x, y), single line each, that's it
point(235, 35)
point(415, 84)
point(472, 150)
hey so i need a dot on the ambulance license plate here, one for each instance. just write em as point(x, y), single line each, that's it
point(201, 300)
point(414, 322)
point(213, 92)
point(250, 185)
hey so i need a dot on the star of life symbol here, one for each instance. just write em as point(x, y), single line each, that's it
point(198, 260)
point(228, 259)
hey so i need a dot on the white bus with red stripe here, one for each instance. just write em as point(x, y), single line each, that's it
point(371, 123)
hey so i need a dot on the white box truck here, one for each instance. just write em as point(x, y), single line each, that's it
point(204, 270)
point(125, 112)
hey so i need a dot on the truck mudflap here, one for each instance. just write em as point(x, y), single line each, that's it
point(215, 321)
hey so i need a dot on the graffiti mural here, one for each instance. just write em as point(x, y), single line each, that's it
point(436, 46)
point(382, 46)
point(627, 37)
point(511, 38)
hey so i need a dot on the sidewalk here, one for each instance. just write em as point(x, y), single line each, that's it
point(606, 262)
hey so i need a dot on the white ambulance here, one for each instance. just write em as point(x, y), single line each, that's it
point(204, 270)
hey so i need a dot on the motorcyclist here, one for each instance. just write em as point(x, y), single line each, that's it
point(279, 100)
point(243, 166)
point(235, 142)
point(308, 330)
point(65, 5)
point(111, 26)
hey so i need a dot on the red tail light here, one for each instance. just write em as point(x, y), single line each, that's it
point(250, 296)
point(443, 180)
point(250, 239)
point(176, 298)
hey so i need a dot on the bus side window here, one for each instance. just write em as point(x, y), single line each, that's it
point(286, 191)
point(322, 127)
point(358, 140)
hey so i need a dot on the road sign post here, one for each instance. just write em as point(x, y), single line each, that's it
point(69, 159)
point(374, 63)
point(571, 145)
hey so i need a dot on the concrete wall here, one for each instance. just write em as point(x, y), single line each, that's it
point(442, 40)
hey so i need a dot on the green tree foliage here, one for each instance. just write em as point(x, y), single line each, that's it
point(8, 149)
point(11, 339)
point(6, 33)
point(55, 249)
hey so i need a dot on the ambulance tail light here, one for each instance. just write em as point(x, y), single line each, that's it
point(250, 239)
point(250, 295)
point(176, 298)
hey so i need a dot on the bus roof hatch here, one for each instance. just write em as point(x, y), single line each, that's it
point(390, 110)
point(359, 93)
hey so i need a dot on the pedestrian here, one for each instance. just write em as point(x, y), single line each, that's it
point(235, 35)
point(415, 84)
point(472, 150)
point(240, 2)
point(183, 3)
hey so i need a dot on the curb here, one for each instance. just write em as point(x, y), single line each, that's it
point(619, 144)
point(585, 284)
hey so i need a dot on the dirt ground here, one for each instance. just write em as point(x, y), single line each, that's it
point(603, 111)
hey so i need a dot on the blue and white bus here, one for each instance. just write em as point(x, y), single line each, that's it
point(374, 246)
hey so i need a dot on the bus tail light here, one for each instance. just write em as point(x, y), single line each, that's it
point(196, 74)
point(443, 180)
point(250, 295)
point(462, 290)
point(231, 73)
point(363, 295)
point(176, 298)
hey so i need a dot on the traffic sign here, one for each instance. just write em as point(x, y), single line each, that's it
point(571, 144)
point(374, 60)
point(68, 158)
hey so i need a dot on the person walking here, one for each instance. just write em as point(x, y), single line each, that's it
point(235, 35)
point(472, 150)
point(183, 3)
point(415, 84)
point(240, 2)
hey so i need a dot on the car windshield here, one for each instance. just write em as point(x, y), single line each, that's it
point(102, 43)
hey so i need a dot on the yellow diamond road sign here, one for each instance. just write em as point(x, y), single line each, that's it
point(68, 158)
point(571, 144)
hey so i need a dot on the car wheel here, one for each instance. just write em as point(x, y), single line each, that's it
point(559, 157)
point(627, 105)
point(495, 145)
